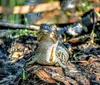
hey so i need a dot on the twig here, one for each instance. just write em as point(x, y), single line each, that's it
point(84, 61)
point(95, 1)
point(19, 26)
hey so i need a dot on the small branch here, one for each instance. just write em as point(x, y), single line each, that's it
point(19, 26)
point(30, 8)
point(95, 1)
point(79, 39)
point(85, 61)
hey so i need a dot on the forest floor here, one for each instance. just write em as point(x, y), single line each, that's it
point(84, 66)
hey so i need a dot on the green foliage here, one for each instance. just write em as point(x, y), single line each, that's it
point(92, 36)
point(20, 2)
point(23, 74)
point(83, 6)
point(21, 32)
point(12, 18)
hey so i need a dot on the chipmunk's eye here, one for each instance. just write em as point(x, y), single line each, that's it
point(67, 45)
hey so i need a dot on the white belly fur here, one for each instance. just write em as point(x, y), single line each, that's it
point(46, 54)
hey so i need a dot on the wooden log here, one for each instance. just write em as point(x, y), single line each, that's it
point(30, 8)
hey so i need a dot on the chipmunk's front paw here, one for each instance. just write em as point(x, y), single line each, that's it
point(66, 71)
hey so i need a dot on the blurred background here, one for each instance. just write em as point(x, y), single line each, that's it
point(68, 11)
point(57, 12)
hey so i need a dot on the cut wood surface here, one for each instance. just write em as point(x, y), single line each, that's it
point(30, 8)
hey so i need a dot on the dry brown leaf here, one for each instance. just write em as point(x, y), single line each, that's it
point(16, 56)
point(45, 76)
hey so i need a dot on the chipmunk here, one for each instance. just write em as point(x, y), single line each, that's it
point(50, 50)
